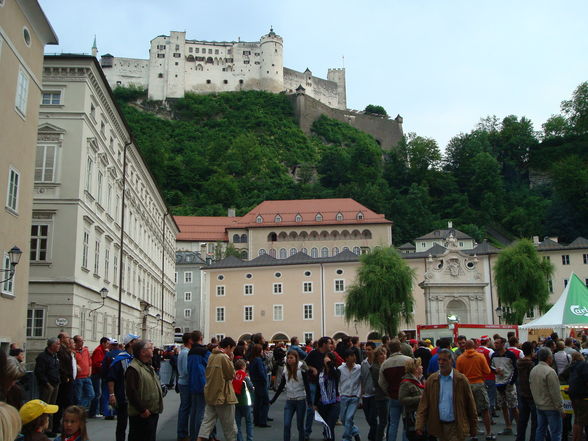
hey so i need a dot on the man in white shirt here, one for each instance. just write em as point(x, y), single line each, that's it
point(350, 391)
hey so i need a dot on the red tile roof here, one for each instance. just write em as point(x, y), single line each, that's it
point(204, 228)
point(308, 209)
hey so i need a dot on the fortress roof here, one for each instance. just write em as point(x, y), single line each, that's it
point(204, 228)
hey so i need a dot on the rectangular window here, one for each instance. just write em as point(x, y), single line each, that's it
point(565, 282)
point(307, 287)
point(13, 190)
point(220, 313)
point(547, 258)
point(339, 285)
point(339, 309)
point(45, 163)
point(97, 257)
point(35, 322)
point(176, 277)
point(550, 285)
point(39, 241)
point(160, 55)
point(109, 199)
point(187, 296)
point(565, 259)
point(99, 193)
point(106, 263)
point(585, 258)
point(89, 169)
point(51, 98)
point(22, 92)
point(308, 336)
point(248, 313)
point(248, 290)
point(115, 268)
point(187, 313)
point(85, 246)
point(8, 285)
point(277, 288)
point(220, 291)
point(278, 313)
point(307, 312)
point(219, 337)
point(188, 277)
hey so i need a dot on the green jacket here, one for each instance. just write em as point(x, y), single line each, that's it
point(143, 388)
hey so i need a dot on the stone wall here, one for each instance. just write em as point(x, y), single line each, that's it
point(386, 131)
point(325, 91)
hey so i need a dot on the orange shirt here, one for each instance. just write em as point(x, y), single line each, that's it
point(473, 365)
point(84, 362)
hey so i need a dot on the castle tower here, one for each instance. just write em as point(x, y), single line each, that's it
point(94, 48)
point(338, 76)
point(272, 62)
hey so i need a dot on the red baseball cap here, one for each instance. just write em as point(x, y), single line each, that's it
point(485, 338)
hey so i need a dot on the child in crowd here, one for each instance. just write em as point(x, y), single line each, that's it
point(243, 388)
point(35, 420)
point(74, 425)
point(295, 381)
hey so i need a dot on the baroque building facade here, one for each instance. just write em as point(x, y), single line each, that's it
point(102, 242)
point(177, 65)
point(24, 32)
point(188, 291)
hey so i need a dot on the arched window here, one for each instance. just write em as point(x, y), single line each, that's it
point(318, 217)
point(324, 252)
point(345, 248)
point(236, 238)
point(244, 238)
point(356, 250)
point(366, 234)
point(283, 253)
point(199, 67)
point(244, 254)
point(293, 235)
point(314, 252)
point(261, 252)
point(298, 218)
point(359, 215)
point(335, 251)
point(259, 219)
point(355, 234)
point(293, 251)
point(272, 252)
point(339, 216)
point(283, 236)
point(304, 250)
point(324, 235)
point(278, 219)
point(272, 237)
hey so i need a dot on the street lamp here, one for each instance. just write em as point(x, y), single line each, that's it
point(14, 257)
point(499, 312)
point(103, 295)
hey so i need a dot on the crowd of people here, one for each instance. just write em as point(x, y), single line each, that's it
point(440, 391)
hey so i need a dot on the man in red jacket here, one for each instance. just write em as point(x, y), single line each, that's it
point(97, 359)
point(83, 390)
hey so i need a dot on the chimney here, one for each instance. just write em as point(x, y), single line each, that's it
point(536, 240)
point(231, 212)
point(449, 224)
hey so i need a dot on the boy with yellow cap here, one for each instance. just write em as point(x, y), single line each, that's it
point(35, 419)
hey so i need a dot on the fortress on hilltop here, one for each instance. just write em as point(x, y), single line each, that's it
point(177, 65)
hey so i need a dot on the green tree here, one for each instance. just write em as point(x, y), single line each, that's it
point(576, 109)
point(521, 279)
point(375, 110)
point(382, 294)
point(421, 154)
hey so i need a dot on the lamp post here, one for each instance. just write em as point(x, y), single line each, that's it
point(14, 257)
point(103, 295)
point(499, 314)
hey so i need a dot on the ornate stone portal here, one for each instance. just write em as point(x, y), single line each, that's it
point(454, 287)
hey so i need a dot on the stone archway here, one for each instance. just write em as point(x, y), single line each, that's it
point(280, 337)
point(458, 309)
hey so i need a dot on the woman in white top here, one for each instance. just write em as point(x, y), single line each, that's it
point(295, 381)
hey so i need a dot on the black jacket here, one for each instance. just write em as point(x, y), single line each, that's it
point(47, 368)
point(65, 365)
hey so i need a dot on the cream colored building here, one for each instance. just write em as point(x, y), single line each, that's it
point(24, 32)
point(99, 220)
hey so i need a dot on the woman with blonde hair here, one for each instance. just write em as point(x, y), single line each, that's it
point(10, 423)
point(409, 395)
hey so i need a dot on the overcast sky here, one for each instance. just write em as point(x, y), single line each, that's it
point(442, 65)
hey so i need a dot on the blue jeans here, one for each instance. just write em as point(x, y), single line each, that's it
point(348, 409)
point(196, 414)
point(244, 412)
point(310, 410)
point(83, 391)
point(184, 411)
point(96, 405)
point(394, 414)
point(491, 388)
point(551, 418)
point(329, 412)
point(291, 407)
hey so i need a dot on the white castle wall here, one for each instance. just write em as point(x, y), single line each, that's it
point(177, 66)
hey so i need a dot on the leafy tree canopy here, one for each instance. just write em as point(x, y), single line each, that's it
point(375, 110)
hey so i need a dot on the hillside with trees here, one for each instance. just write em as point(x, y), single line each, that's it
point(212, 152)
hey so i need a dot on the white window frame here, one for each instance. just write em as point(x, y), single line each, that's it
point(278, 288)
point(248, 287)
point(187, 296)
point(106, 262)
point(279, 308)
point(8, 285)
point(13, 190)
point(99, 183)
point(565, 259)
point(30, 321)
point(219, 337)
point(336, 312)
point(85, 248)
point(221, 310)
point(248, 309)
point(89, 172)
point(335, 287)
point(306, 284)
point(308, 335)
point(41, 167)
point(96, 256)
point(585, 258)
point(187, 313)
point(221, 291)
point(51, 94)
point(36, 251)
point(188, 275)
point(304, 311)
point(22, 93)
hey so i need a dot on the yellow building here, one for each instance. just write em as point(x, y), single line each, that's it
point(24, 32)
